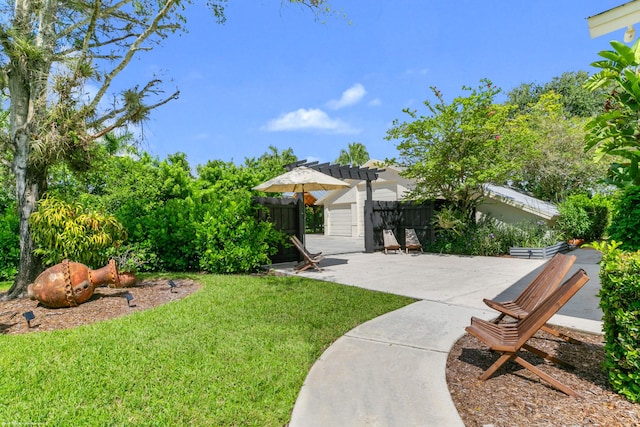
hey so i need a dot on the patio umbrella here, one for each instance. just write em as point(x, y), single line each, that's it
point(299, 180)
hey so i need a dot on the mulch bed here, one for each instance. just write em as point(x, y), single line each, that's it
point(514, 396)
point(106, 303)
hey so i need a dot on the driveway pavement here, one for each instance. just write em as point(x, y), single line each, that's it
point(390, 371)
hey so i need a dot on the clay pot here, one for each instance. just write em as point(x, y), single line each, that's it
point(70, 283)
point(576, 242)
point(127, 279)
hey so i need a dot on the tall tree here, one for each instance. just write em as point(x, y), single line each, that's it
point(50, 51)
point(271, 163)
point(555, 164)
point(577, 100)
point(458, 147)
point(355, 155)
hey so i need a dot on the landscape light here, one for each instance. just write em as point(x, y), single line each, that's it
point(29, 316)
point(129, 297)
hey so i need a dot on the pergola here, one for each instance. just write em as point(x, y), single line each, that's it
point(350, 172)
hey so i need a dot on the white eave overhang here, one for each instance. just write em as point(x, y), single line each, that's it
point(614, 19)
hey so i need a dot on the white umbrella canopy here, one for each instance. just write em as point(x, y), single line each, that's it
point(299, 180)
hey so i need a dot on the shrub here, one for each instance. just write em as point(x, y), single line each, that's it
point(625, 221)
point(171, 229)
point(9, 243)
point(573, 221)
point(231, 239)
point(63, 230)
point(620, 303)
point(583, 217)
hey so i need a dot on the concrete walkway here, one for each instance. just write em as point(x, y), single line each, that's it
point(390, 371)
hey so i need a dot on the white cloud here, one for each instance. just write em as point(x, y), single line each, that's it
point(303, 119)
point(351, 96)
point(201, 136)
point(375, 102)
point(416, 72)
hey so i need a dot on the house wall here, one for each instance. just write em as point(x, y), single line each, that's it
point(385, 191)
point(342, 203)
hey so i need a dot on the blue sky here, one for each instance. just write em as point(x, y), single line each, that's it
point(272, 75)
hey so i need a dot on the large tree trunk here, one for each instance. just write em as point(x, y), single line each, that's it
point(27, 83)
point(29, 183)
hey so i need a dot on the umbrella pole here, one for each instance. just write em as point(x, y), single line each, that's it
point(304, 219)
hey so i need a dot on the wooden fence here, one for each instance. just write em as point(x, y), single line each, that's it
point(286, 215)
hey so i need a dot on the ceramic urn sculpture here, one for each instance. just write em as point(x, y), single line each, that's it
point(70, 283)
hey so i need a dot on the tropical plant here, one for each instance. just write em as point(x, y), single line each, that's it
point(355, 155)
point(615, 131)
point(65, 230)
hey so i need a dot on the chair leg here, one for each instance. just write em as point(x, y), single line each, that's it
point(547, 356)
point(504, 358)
point(498, 319)
point(557, 384)
point(560, 335)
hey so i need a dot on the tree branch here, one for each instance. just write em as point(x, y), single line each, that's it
point(132, 50)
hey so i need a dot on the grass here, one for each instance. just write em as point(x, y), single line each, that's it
point(233, 354)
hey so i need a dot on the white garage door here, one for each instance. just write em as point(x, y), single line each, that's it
point(340, 221)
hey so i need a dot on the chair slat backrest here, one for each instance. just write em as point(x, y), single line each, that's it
point(528, 326)
point(298, 244)
point(545, 282)
point(389, 239)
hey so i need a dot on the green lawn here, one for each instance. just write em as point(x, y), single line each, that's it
point(234, 353)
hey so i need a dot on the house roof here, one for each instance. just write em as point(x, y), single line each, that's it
point(519, 200)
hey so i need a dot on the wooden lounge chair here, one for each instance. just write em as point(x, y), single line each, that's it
point(412, 243)
point(390, 242)
point(509, 338)
point(540, 287)
point(310, 260)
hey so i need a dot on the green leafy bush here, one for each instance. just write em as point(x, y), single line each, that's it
point(583, 217)
point(231, 239)
point(64, 230)
point(173, 235)
point(620, 303)
point(573, 221)
point(599, 208)
point(625, 221)
point(9, 243)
